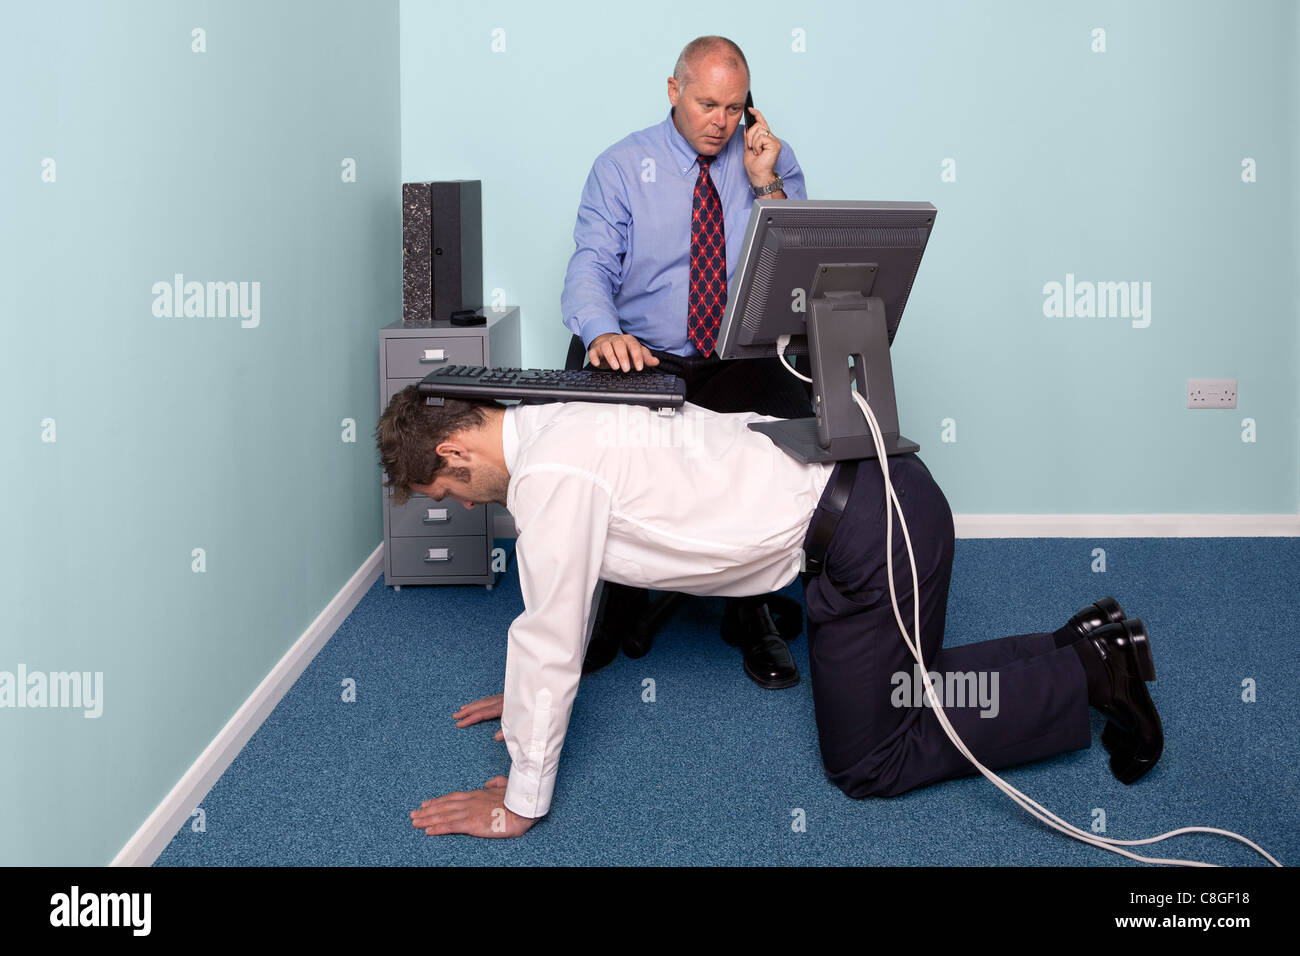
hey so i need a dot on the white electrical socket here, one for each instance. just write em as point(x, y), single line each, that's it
point(1211, 393)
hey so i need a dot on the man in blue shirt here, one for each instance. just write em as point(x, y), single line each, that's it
point(658, 235)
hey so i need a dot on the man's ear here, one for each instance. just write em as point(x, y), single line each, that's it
point(673, 91)
point(452, 450)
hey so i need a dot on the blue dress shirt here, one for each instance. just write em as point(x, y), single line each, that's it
point(630, 270)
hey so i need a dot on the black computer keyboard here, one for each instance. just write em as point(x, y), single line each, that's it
point(656, 389)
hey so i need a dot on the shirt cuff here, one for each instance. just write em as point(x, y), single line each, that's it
point(528, 796)
point(595, 327)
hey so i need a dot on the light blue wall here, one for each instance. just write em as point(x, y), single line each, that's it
point(180, 433)
point(1123, 165)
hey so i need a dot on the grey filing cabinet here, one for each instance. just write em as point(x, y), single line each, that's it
point(440, 542)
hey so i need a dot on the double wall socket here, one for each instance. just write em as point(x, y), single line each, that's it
point(1211, 393)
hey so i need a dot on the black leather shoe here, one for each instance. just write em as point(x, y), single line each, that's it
point(1099, 614)
point(749, 626)
point(1134, 735)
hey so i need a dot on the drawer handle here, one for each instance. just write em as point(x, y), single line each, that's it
point(436, 515)
point(433, 355)
point(437, 554)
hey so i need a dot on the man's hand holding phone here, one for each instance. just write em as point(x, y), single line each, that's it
point(619, 351)
point(761, 149)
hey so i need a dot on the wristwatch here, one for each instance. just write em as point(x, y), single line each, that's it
point(778, 185)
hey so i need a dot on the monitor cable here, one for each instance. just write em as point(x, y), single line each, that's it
point(1043, 814)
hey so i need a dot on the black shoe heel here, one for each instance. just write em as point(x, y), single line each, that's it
point(1142, 649)
point(1133, 734)
point(1097, 614)
point(1110, 607)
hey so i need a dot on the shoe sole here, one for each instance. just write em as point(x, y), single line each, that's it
point(1129, 759)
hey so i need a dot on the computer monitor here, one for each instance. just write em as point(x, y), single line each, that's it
point(834, 275)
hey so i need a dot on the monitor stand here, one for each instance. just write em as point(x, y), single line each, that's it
point(844, 325)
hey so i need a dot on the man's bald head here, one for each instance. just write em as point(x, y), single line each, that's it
point(701, 49)
point(707, 91)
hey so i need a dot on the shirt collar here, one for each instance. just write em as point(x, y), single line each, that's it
point(509, 438)
point(683, 153)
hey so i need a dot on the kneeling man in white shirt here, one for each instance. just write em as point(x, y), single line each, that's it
point(699, 503)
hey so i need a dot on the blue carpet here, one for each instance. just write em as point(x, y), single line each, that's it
point(712, 772)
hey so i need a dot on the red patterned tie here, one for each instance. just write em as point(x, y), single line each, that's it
point(708, 295)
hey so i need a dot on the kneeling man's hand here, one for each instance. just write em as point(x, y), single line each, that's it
point(480, 813)
point(485, 708)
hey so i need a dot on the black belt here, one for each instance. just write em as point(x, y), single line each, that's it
point(821, 529)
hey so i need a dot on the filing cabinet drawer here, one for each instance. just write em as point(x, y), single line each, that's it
point(441, 556)
point(416, 358)
point(422, 516)
point(394, 385)
point(429, 542)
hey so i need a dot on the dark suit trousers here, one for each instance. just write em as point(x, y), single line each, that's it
point(873, 745)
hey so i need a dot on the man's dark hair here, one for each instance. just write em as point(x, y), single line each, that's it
point(409, 431)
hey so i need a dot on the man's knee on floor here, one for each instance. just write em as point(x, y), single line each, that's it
point(876, 773)
point(859, 786)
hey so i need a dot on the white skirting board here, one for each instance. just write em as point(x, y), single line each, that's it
point(158, 830)
point(161, 826)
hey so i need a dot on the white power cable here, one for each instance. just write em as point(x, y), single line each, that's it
point(1021, 799)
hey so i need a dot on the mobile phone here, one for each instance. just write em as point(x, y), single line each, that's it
point(746, 116)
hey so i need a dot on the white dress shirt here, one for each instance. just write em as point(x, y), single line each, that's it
point(694, 502)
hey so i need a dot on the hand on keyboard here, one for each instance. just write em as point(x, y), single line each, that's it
point(615, 351)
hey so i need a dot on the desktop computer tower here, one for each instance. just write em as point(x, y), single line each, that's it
point(442, 249)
